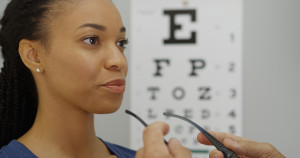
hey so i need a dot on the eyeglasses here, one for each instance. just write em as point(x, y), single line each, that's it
point(142, 121)
point(220, 146)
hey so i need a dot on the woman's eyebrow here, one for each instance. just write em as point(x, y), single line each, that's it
point(99, 27)
point(95, 26)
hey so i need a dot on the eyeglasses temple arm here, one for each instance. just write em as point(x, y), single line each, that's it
point(142, 121)
point(220, 146)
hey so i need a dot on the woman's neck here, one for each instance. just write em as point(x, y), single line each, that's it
point(63, 131)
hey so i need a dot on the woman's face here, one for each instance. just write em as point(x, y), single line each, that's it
point(85, 65)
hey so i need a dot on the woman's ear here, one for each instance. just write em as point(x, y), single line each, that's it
point(29, 54)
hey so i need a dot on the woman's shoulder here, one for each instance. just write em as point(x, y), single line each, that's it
point(120, 151)
point(16, 149)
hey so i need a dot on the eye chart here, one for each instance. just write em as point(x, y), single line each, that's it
point(186, 58)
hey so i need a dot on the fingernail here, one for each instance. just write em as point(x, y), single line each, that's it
point(217, 155)
point(232, 142)
point(174, 143)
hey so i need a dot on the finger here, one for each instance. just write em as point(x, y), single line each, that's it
point(219, 135)
point(139, 153)
point(203, 140)
point(216, 154)
point(153, 137)
point(177, 150)
point(250, 148)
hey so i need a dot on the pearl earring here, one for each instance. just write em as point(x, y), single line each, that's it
point(38, 70)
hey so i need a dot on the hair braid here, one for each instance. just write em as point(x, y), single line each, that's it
point(23, 19)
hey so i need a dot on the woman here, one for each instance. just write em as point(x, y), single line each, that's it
point(63, 62)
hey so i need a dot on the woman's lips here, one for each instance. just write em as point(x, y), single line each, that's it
point(116, 86)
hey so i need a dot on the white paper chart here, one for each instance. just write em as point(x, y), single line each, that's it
point(186, 58)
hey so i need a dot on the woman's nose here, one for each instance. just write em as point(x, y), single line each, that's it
point(115, 59)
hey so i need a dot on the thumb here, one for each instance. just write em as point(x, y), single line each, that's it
point(177, 150)
point(216, 154)
point(251, 149)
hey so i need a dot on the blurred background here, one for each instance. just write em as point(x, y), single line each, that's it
point(271, 76)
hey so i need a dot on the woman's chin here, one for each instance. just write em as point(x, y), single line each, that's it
point(108, 109)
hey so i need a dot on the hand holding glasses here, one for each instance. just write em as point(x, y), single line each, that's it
point(220, 146)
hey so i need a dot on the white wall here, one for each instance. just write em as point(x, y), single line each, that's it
point(272, 73)
point(2, 7)
point(271, 76)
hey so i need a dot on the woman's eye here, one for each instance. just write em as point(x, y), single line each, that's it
point(122, 43)
point(91, 40)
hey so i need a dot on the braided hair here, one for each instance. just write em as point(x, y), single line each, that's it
point(22, 19)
